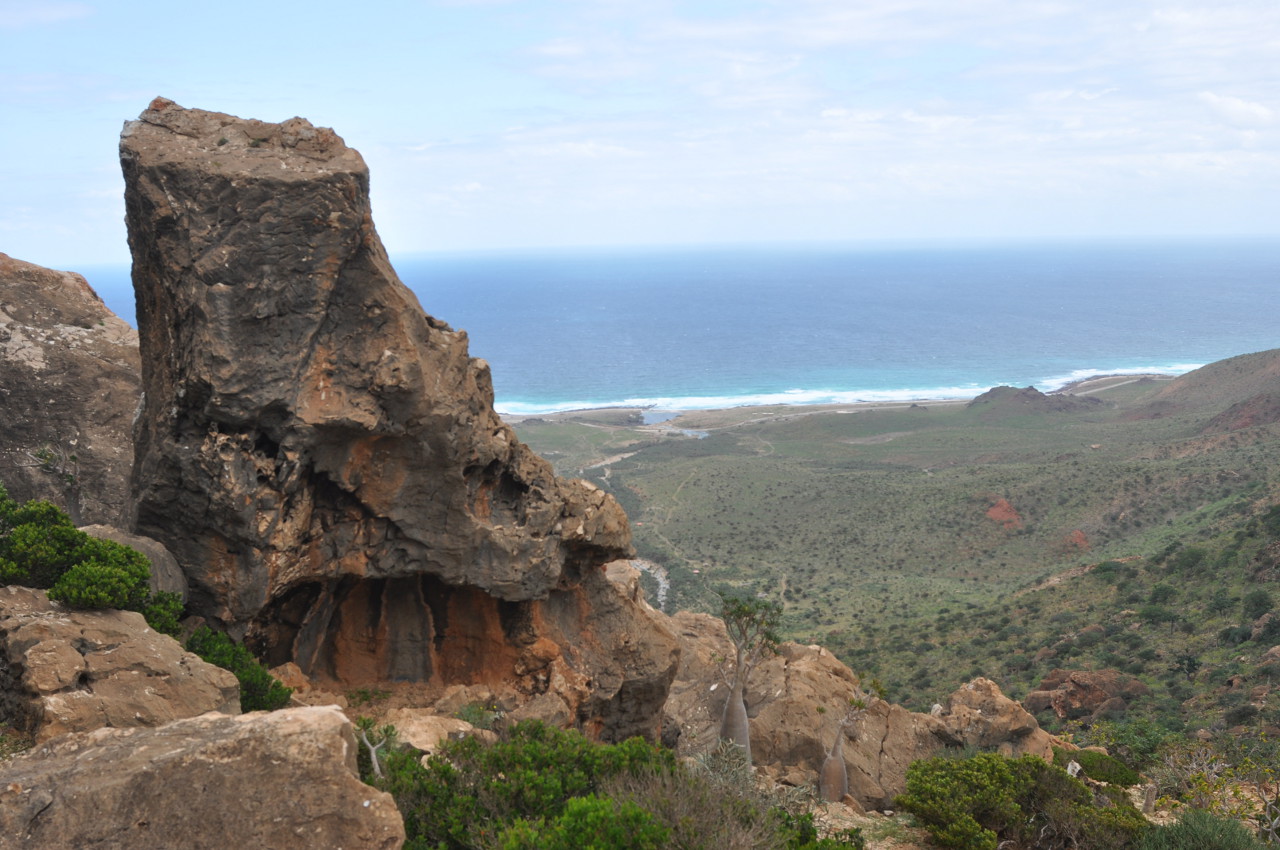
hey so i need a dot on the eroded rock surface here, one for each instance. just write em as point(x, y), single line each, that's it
point(280, 779)
point(323, 458)
point(797, 698)
point(69, 387)
point(1075, 694)
point(73, 671)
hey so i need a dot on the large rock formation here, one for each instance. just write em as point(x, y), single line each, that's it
point(797, 698)
point(69, 388)
point(283, 779)
point(1076, 694)
point(63, 670)
point(323, 458)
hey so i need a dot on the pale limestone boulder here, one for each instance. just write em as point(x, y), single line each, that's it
point(282, 779)
point(980, 715)
point(63, 670)
point(423, 730)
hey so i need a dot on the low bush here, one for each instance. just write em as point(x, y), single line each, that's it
point(598, 823)
point(1200, 830)
point(41, 548)
point(1099, 766)
point(259, 690)
point(986, 801)
point(545, 788)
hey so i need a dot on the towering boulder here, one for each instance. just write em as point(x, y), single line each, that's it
point(69, 388)
point(323, 458)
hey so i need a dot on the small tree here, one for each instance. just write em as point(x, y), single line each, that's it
point(833, 778)
point(752, 625)
point(1255, 604)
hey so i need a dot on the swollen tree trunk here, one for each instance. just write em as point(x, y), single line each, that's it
point(833, 779)
point(734, 725)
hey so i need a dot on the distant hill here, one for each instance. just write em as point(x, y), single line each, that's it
point(1214, 388)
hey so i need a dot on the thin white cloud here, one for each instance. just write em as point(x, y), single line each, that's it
point(17, 14)
point(1238, 111)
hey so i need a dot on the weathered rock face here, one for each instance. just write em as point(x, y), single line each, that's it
point(1073, 694)
point(69, 388)
point(280, 779)
point(323, 458)
point(74, 671)
point(790, 736)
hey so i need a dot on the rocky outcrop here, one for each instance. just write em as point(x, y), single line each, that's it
point(1075, 694)
point(69, 389)
point(1011, 400)
point(797, 698)
point(323, 458)
point(280, 779)
point(73, 671)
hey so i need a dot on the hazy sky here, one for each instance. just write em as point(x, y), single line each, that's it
point(509, 123)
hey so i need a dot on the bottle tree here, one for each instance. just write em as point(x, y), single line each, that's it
point(752, 626)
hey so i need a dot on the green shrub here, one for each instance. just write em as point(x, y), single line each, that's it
point(39, 547)
point(1200, 830)
point(1099, 766)
point(259, 690)
point(541, 787)
point(1135, 741)
point(163, 611)
point(464, 796)
point(588, 822)
point(978, 802)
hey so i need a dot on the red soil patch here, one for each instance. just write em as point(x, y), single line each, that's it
point(1077, 540)
point(1004, 513)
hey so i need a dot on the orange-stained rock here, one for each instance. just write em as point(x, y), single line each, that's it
point(323, 458)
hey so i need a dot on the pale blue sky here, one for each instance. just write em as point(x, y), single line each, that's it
point(493, 124)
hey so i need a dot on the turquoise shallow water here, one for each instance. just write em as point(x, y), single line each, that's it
point(717, 327)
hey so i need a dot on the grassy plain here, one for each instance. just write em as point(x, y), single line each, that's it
point(881, 528)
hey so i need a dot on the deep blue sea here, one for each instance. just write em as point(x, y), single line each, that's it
point(683, 328)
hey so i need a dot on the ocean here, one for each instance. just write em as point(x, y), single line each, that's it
point(688, 328)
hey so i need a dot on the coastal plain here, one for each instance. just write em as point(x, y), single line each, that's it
point(872, 523)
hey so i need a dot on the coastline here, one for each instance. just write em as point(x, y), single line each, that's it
point(711, 418)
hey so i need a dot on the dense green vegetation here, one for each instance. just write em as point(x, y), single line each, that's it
point(259, 690)
point(541, 788)
point(40, 547)
point(978, 802)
